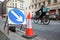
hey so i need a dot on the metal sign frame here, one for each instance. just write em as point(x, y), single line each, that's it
point(8, 25)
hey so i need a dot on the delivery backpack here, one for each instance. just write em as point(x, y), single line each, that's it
point(44, 9)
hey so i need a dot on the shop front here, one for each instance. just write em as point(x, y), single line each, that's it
point(52, 11)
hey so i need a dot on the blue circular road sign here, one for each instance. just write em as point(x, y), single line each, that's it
point(16, 16)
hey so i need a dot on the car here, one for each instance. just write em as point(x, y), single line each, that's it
point(53, 16)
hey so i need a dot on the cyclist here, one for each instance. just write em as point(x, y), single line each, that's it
point(43, 10)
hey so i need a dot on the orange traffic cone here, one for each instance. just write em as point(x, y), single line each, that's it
point(29, 32)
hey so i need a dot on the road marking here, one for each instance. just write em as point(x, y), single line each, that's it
point(54, 23)
point(38, 38)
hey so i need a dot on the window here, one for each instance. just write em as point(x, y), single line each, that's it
point(15, 0)
point(55, 1)
point(29, 7)
point(26, 8)
point(44, 2)
point(35, 5)
point(35, 0)
point(49, 1)
point(12, 0)
point(39, 0)
point(15, 5)
point(32, 6)
point(32, 1)
point(39, 4)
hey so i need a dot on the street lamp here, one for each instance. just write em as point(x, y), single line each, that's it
point(2, 7)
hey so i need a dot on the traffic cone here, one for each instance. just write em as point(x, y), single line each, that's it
point(29, 32)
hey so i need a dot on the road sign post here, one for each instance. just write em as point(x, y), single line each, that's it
point(15, 17)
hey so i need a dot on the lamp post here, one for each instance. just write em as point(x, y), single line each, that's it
point(2, 8)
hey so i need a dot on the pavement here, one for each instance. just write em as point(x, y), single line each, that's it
point(3, 36)
point(12, 35)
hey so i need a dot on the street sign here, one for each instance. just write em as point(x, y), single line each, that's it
point(16, 16)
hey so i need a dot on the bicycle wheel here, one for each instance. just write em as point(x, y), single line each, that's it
point(35, 20)
point(46, 21)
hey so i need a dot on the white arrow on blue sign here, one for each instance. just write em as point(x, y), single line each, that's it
point(16, 16)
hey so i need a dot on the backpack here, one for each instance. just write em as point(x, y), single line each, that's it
point(44, 9)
